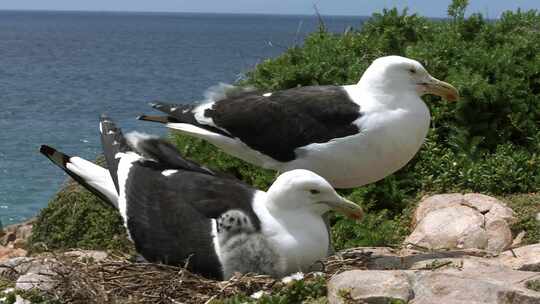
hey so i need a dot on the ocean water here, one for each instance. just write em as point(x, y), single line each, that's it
point(60, 70)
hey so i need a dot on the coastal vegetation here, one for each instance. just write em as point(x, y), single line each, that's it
point(76, 218)
point(487, 142)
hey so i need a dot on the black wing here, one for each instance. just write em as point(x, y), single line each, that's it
point(179, 113)
point(167, 155)
point(112, 141)
point(279, 123)
point(169, 216)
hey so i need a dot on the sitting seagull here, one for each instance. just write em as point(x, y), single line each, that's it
point(170, 206)
point(351, 135)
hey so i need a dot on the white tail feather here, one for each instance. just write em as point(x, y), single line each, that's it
point(193, 130)
point(96, 176)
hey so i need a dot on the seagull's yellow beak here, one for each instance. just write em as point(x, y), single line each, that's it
point(437, 87)
point(346, 207)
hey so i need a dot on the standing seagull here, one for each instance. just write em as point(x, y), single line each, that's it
point(351, 135)
point(176, 210)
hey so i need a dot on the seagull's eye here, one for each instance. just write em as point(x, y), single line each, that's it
point(412, 70)
point(314, 191)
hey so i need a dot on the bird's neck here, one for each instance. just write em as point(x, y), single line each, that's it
point(385, 95)
point(295, 219)
point(299, 235)
point(305, 239)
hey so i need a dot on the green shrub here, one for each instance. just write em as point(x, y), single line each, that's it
point(33, 296)
point(376, 229)
point(487, 142)
point(207, 154)
point(5, 284)
point(75, 218)
point(301, 291)
point(533, 285)
point(526, 207)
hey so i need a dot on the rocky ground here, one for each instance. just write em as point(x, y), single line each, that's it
point(461, 250)
point(13, 240)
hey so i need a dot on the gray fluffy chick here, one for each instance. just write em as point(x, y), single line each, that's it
point(243, 249)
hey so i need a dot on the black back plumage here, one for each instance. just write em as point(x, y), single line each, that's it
point(167, 156)
point(169, 217)
point(279, 123)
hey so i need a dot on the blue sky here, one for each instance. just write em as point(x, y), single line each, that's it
point(431, 8)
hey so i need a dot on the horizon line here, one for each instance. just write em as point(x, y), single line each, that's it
point(314, 14)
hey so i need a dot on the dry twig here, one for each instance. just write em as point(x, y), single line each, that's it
point(123, 281)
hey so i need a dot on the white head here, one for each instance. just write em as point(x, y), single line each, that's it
point(400, 74)
point(304, 190)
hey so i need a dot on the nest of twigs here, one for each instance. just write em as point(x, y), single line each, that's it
point(122, 281)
